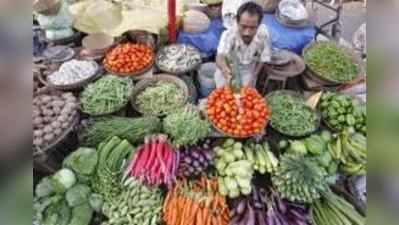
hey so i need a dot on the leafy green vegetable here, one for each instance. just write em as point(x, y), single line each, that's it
point(132, 129)
point(52, 211)
point(63, 180)
point(81, 215)
point(161, 98)
point(331, 62)
point(315, 144)
point(77, 195)
point(96, 202)
point(44, 188)
point(290, 114)
point(83, 161)
point(186, 127)
point(298, 147)
point(107, 95)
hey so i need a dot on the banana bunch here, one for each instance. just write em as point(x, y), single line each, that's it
point(260, 156)
point(299, 178)
point(351, 150)
point(136, 205)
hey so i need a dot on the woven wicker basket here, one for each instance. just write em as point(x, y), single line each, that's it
point(323, 80)
point(148, 82)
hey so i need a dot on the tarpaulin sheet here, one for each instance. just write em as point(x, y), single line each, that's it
point(292, 39)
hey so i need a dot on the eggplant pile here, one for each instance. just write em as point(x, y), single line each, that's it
point(196, 160)
point(259, 209)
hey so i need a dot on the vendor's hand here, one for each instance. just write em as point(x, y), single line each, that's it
point(227, 74)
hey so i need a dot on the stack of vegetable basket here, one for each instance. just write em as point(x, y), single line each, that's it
point(157, 163)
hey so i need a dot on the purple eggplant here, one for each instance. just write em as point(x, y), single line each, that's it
point(260, 218)
point(241, 207)
point(251, 216)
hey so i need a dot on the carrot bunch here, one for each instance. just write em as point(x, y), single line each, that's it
point(128, 58)
point(240, 115)
point(197, 203)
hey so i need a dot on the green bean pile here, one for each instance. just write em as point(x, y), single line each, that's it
point(331, 62)
point(107, 95)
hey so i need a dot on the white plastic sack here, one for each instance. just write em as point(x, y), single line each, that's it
point(293, 10)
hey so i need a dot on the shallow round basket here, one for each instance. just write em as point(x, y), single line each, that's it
point(322, 79)
point(47, 7)
point(97, 42)
point(77, 85)
point(39, 152)
point(301, 98)
point(164, 53)
point(148, 82)
point(294, 67)
point(134, 75)
point(231, 135)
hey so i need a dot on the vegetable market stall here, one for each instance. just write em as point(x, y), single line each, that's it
point(143, 152)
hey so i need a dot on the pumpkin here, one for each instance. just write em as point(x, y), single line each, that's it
point(195, 21)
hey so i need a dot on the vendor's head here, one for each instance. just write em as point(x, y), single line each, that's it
point(249, 17)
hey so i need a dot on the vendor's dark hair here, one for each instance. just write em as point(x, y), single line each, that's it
point(252, 8)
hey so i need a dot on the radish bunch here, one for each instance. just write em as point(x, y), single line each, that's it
point(196, 160)
point(155, 162)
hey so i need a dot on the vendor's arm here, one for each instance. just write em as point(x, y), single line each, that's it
point(225, 45)
point(266, 53)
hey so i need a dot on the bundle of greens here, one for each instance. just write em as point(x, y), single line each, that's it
point(107, 95)
point(111, 158)
point(332, 209)
point(137, 204)
point(186, 127)
point(343, 111)
point(132, 129)
point(290, 115)
point(299, 178)
point(331, 62)
point(160, 99)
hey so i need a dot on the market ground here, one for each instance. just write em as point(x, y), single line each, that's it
point(353, 15)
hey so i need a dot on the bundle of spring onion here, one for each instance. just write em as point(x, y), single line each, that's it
point(107, 95)
point(132, 129)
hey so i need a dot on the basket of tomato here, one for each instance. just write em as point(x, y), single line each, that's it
point(239, 115)
point(129, 59)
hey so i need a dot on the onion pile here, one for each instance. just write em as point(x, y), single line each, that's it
point(52, 114)
point(196, 160)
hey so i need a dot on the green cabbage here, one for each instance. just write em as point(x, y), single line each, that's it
point(77, 195)
point(63, 180)
point(83, 161)
point(44, 188)
point(315, 144)
point(298, 147)
point(96, 202)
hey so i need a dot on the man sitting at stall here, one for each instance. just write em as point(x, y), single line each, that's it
point(250, 41)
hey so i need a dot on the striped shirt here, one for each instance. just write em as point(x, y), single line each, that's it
point(259, 50)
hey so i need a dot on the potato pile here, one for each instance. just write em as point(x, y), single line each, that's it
point(52, 114)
